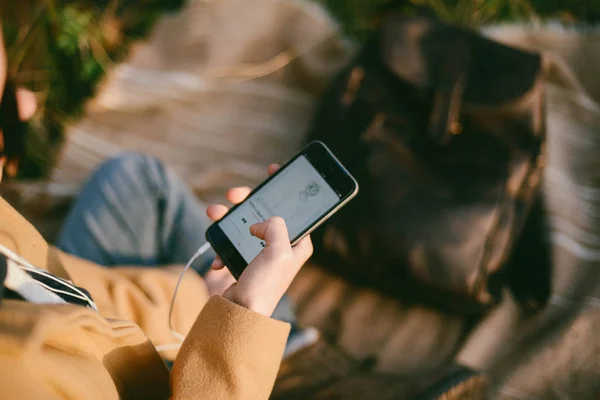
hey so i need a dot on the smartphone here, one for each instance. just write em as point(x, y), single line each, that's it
point(305, 191)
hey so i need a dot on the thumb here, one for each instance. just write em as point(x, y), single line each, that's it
point(272, 231)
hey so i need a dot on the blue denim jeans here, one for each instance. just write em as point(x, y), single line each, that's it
point(134, 211)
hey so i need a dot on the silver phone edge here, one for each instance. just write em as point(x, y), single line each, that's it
point(330, 213)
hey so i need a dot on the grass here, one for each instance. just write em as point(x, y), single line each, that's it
point(61, 48)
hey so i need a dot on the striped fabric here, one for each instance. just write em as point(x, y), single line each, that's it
point(219, 91)
point(556, 354)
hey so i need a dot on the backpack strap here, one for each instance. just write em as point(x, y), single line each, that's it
point(459, 383)
point(456, 67)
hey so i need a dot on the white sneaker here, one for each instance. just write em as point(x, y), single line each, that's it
point(300, 340)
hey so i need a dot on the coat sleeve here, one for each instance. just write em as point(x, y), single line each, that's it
point(17, 382)
point(230, 353)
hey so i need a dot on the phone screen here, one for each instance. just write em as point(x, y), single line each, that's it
point(298, 194)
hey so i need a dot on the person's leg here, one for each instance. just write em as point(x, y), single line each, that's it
point(134, 211)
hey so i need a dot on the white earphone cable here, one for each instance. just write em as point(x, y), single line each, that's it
point(25, 265)
point(173, 346)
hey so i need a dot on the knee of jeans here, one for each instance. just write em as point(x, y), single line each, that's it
point(134, 166)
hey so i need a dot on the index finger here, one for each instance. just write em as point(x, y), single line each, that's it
point(273, 168)
point(238, 194)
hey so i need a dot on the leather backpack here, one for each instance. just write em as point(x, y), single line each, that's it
point(444, 131)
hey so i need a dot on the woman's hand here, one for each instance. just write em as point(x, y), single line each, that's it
point(266, 279)
point(218, 281)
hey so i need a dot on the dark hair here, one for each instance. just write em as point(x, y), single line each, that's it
point(12, 129)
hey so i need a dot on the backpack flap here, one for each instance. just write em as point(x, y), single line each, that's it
point(455, 66)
